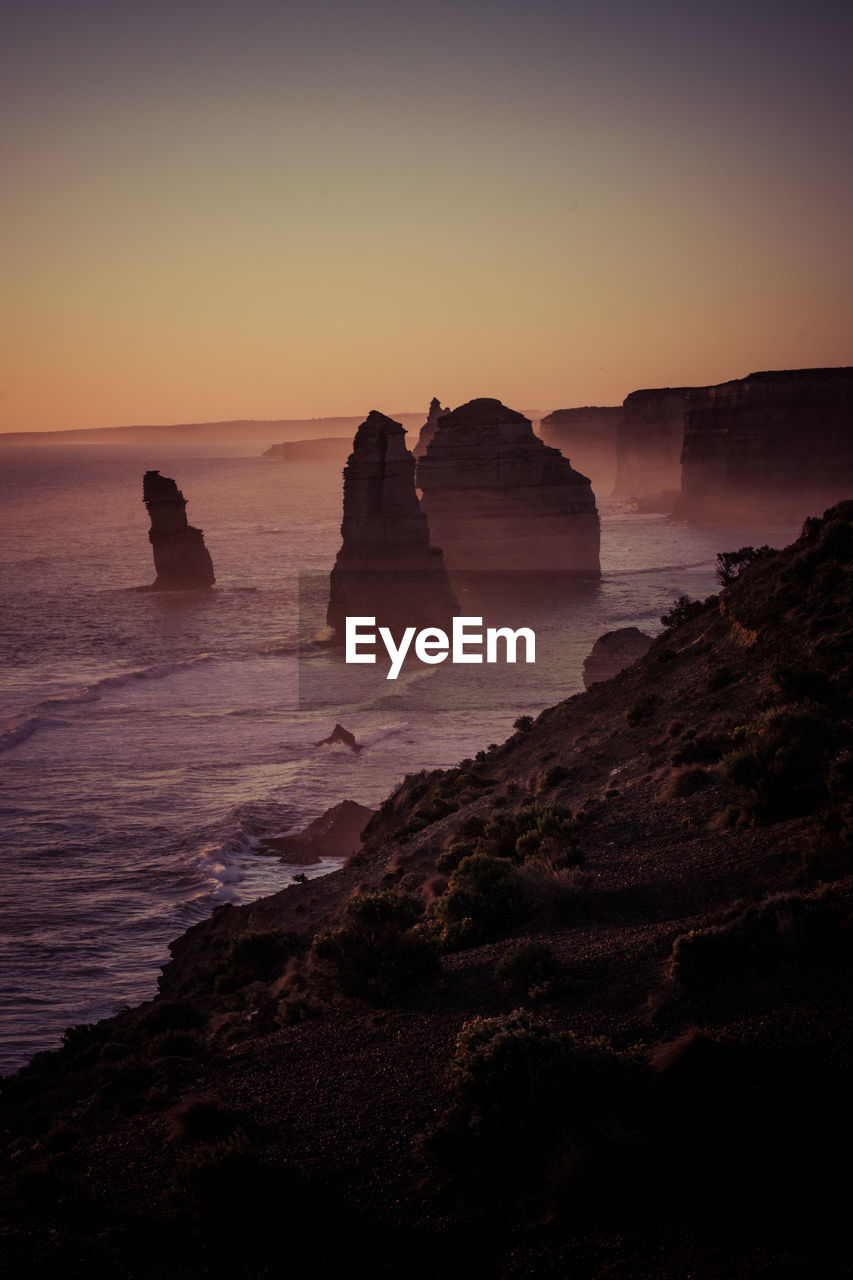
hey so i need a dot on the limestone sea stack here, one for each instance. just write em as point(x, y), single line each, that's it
point(386, 567)
point(430, 427)
point(770, 446)
point(181, 559)
point(648, 450)
point(497, 498)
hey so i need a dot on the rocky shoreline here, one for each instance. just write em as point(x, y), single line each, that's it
point(577, 1006)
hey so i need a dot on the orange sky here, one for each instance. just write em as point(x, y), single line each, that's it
point(277, 212)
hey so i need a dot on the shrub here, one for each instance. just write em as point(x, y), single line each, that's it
point(522, 1095)
point(684, 609)
point(553, 891)
point(704, 748)
point(555, 775)
point(449, 860)
point(253, 957)
point(485, 896)
point(730, 564)
point(203, 1120)
point(378, 954)
point(690, 782)
point(174, 1044)
point(642, 709)
point(759, 940)
point(171, 1015)
point(527, 965)
point(523, 724)
point(781, 766)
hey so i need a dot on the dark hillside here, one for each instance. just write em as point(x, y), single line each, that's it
point(579, 1007)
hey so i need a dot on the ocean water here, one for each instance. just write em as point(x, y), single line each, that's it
point(149, 741)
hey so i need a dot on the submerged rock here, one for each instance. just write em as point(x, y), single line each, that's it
point(497, 498)
point(340, 737)
point(613, 652)
point(386, 567)
point(430, 427)
point(181, 559)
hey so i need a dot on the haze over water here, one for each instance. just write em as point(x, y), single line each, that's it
point(149, 740)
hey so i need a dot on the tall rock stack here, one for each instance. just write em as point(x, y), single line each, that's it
point(430, 427)
point(648, 450)
point(772, 446)
point(497, 498)
point(181, 559)
point(386, 567)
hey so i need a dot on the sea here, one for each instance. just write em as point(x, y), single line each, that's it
point(150, 742)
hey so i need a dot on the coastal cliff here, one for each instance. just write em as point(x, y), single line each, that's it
point(649, 442)
point(587, 438)
point(774, 445)
point(181, 559)
point(497, 498)
point(386, 567)
point(578, 1005)
point(324, 449)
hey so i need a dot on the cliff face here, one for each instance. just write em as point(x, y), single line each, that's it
point(498, 498)
point(386, 567)
point(325, 449)
point(650, 436)
point(778, 445)
point(587, 438)
point(180, 557)
point(430, 427)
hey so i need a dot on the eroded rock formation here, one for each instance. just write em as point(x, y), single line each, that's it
point(497, 498)
point(650, 436)
point(771, 445)
point(335, 834)
point(386, 567)
point(181, 559)
point(613, 652)
point(587, 438)
point(430, 427)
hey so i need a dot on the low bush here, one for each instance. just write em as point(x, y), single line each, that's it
point(781, 766)
point(703, 748)
point(526, 966)
point(523, 1098)
point(483, 899)
point(684, 609)
point(253, 957)
point(642, 709)
point(730, 564)
point(378, 954)
point(761, 940)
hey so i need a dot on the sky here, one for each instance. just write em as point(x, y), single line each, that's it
point(270, 209)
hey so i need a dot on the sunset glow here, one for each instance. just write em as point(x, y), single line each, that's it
point(220, 211)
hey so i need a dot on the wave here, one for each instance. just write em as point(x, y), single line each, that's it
point(230, 861)
point(19, 732)
point(664, 568)
point(27, 725)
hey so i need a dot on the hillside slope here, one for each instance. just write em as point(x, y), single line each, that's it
point(578, 1007)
